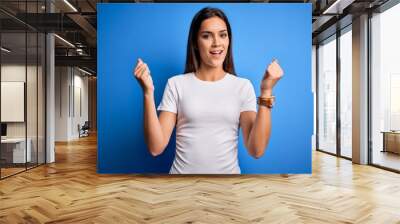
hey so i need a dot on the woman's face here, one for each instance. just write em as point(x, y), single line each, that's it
point(213, 42)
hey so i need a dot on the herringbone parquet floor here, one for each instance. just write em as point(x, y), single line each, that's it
point(70, 191)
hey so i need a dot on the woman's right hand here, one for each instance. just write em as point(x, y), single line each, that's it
point(142, 74)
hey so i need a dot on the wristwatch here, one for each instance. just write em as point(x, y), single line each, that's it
point(266, 101)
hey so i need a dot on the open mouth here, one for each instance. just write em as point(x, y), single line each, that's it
point(216, 52)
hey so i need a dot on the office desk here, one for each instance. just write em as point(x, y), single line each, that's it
point(391, 141)
point(13, 150)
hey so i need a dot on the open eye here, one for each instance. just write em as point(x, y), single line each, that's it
point(205, 36)
point(223, 35)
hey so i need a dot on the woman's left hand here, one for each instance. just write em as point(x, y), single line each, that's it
point(272, 75)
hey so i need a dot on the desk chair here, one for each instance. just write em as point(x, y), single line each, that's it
point(84, 130)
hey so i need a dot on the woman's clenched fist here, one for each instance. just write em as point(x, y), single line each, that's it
point(142, 74)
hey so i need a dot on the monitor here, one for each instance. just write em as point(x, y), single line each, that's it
point(3, 129)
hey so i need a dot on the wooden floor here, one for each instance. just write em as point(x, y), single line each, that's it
point(5, 172)
point(9, 171)
point(387, 159)
point(70, 191)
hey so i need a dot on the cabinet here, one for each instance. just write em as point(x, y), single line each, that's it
point(13, 150)
point(391, 141)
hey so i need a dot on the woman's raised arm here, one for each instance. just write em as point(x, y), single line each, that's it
point(256, 127)
point(157, 130)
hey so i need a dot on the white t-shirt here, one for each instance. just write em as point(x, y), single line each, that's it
point(207, 129)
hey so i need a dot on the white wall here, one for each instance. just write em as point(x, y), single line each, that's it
point(80, 83)
point(12, 73)
point(70, 83)
point(62, 81)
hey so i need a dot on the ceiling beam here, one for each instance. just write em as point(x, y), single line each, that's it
point(86, 26)
point(83, 61)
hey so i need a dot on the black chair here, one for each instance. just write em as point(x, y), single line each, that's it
point(84, 130)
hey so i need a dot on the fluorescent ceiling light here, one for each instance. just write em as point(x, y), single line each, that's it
point(5, 50)
point(65, 41)
point(329, 9)
point(84, 71)
point(70, 5)
point(338, 6)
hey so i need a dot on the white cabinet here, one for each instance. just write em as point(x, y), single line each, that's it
point(18, 149)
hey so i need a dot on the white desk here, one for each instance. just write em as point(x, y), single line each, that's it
point(18, 149)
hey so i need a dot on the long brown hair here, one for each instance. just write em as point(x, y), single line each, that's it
point(192, 54)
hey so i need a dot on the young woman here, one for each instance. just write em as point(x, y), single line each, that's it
point(208, 103)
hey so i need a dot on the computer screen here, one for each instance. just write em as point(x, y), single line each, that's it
point(3, 129)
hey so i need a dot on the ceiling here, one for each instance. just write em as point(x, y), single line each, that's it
point(76, 22)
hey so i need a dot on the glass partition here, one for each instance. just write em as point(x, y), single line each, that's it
point(327, 95)
point(14, 153)
point(41, 107)
point(22, 88)
point(32, 95)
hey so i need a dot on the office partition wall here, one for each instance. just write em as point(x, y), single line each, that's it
point(22, 88)
point(13, 79)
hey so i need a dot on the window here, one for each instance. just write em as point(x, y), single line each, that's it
point(346, 92)
point(385, 88)
point(327, 95)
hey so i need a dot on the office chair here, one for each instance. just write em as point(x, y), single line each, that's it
point(84, 130)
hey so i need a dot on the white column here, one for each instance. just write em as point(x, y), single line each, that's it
point(50, 110)
point(50, 92)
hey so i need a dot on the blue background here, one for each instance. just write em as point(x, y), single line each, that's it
point(157, 33)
